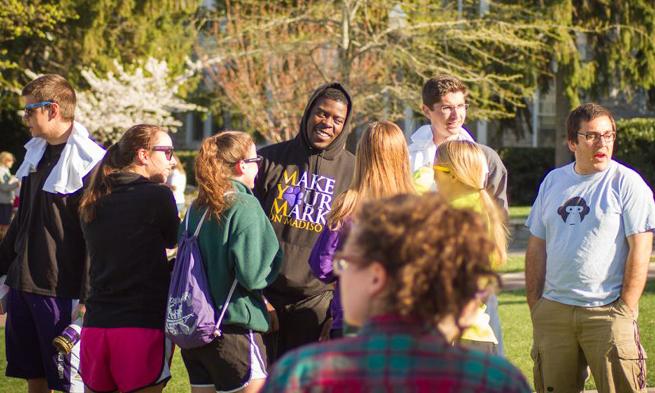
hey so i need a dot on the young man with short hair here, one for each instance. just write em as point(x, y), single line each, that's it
point(586, 265)
point(445, 106)
point(43, 253)
point(297, 182)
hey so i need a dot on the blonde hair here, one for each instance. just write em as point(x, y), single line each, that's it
point(381, 170)
point(468, 165)
point(6, 156)
point(215, 168)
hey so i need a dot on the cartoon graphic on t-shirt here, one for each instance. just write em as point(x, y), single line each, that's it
point(574, 210)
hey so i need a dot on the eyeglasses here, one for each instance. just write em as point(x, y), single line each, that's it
point(29, 108)
point(441, 168)
point(256, 160)
point(341, 262)
point(167, 150)
point(607, 137)
point(447, 110)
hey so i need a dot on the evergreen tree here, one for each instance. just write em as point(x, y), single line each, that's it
point(66, 36)
point(618, 37)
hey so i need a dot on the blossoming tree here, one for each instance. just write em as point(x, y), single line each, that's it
point(148, 94)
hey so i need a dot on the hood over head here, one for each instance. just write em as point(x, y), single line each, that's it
point(339, 142)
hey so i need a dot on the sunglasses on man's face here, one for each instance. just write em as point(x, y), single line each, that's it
point(30, 108)
point(167, 150)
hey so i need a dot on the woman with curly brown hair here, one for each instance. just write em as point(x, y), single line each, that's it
point(413, 272)
point(381, 170)
point(460, 171)
point(241, 255)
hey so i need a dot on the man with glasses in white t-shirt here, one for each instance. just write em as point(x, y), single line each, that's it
point(586, 264)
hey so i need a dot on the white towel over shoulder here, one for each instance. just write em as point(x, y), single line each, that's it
point(79, 157)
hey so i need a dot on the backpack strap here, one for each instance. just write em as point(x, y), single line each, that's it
point(202, 219)
point(217, 331)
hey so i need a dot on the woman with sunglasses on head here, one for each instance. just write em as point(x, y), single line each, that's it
point(241, 255)
point(412, 273)
point(381, 170)
point(129, 218)
point(460, 170)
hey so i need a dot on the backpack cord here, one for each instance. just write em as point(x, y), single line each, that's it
point(217, 332)
point(202, 219)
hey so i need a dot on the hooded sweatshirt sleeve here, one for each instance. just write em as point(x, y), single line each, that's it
point(320, 260)
point(497, 180)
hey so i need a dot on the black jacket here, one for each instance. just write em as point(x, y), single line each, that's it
point(296, 185)
point(44, 252)
point(127, 241)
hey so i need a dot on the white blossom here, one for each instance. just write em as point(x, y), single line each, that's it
point(118, 101)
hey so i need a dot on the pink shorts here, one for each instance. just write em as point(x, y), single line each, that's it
point(124, 359)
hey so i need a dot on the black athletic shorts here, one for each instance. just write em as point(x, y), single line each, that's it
point(229, 362)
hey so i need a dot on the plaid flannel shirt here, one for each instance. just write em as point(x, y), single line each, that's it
point(391, 354)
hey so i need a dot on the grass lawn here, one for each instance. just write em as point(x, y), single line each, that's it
point(517, 330)
point(515, 263)
point(519, 212)
point(517, 334)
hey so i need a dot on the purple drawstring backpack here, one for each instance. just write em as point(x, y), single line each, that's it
point(190, 316)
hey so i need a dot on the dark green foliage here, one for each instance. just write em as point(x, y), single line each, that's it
point(92, 34)
point(65, 36)
point(23, 23)
point(13, 135)
point(635, 146)
point(526, 168)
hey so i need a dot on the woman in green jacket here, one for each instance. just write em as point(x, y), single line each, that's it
point(238, 246)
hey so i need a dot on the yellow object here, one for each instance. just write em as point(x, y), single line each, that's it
point(480, 330)
point(423, 179)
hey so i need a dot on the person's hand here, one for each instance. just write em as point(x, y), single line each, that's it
point(78, 311)
point(634, 308)
point(275, 322)
point(532, 302)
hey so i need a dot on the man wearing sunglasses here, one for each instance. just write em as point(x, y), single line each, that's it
point(587, 262)
point(43, 254)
